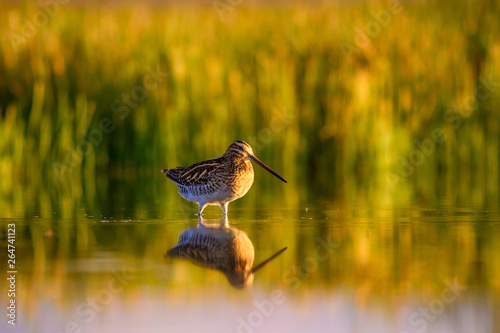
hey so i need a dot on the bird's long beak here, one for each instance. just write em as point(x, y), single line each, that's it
point(262, 264)
point(259, 162)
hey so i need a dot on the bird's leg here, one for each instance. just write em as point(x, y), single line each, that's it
point(224, 222)
point(223, 206)
point(200, 222)
point(200, 208)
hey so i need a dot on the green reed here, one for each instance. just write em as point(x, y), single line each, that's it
point(277, 77)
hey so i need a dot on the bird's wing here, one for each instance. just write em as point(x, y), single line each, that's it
point(196, 174)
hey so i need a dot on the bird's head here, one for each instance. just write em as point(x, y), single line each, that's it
point(240, 150)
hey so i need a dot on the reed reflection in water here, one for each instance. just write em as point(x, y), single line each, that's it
point(223, 248)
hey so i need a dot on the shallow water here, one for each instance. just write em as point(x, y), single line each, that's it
point(348, 267)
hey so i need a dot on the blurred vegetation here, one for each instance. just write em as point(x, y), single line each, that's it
point(345, 121)
point(335, 126)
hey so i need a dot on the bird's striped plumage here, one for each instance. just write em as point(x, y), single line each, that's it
point(220, 180)
point(220, 247)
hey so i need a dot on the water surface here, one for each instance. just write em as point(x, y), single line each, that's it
point(348, 267)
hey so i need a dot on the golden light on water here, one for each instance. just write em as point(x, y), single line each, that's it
point(391, 153)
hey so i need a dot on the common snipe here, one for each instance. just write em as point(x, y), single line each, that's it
point(220, 180)
point(223, 248)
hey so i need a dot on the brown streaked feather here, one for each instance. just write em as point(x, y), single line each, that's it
point(173, 174)
point(196, 174)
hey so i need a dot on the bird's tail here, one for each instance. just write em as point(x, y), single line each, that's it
point(173, 174)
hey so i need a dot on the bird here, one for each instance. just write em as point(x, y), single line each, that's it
point(220, 180)
point(221, 247)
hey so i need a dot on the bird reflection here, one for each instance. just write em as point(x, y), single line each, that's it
point(221, 247)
